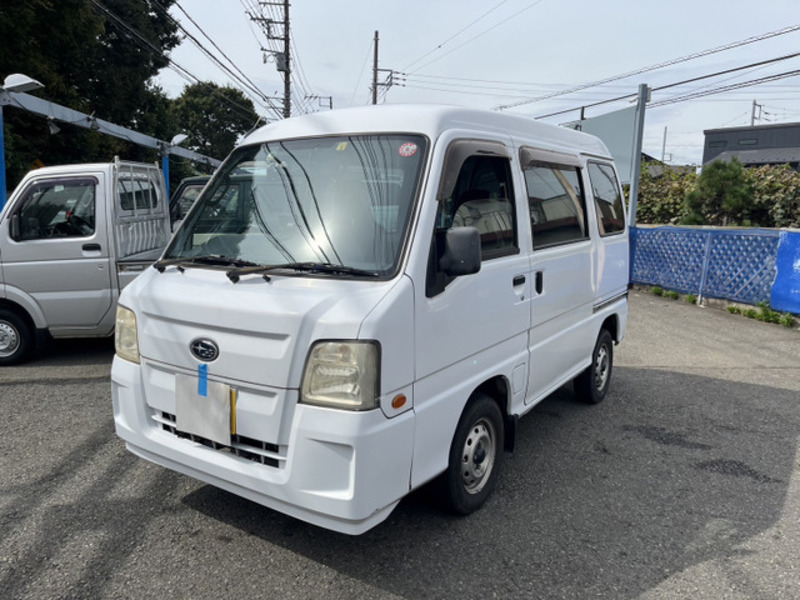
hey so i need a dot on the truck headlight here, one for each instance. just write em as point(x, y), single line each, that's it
point(342, 375)
point(126, 340)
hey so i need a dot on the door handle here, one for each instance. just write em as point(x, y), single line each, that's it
point(539, 282)
point(519, 280)
point(91, 247)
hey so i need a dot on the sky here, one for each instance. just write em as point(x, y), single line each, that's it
point(505, 53)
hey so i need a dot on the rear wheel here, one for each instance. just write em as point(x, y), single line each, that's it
point(16, 338)
point(475, 456)
point(592, 385)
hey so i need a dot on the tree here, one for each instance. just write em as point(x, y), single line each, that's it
point(722, 196)
point(214, 117)
point(95, 56)
point(662, 193)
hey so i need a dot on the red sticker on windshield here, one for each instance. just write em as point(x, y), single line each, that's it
point(408, 149)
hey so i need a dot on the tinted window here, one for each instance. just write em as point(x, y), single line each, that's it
point(58, 208)
point(607, 198)
point(557, 205)
point(483, 198)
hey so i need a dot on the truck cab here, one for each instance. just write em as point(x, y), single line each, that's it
point(71, 237)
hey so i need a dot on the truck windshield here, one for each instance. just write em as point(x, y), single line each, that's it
point(344, 201)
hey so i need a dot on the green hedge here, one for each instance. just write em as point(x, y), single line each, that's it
point(724, 194)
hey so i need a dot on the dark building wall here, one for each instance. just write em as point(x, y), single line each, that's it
point(785, 135)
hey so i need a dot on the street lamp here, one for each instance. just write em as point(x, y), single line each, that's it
point(17, 82)
point(14, 83)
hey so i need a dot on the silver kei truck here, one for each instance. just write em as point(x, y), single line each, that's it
point(71, 237)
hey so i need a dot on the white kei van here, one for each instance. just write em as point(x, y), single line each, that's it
point(364, 300)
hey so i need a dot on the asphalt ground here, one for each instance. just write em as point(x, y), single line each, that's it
point(684, 483)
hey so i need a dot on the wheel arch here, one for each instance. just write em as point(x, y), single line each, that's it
point(611, 324)
point(18, 300)
point(20, 311)
point(498, 388)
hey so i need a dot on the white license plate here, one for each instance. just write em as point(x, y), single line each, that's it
point(208, 415)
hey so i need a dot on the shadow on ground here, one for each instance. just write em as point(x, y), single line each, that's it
point(607, 501)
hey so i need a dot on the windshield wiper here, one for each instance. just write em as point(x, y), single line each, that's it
point(216, 260)
point(235, 274)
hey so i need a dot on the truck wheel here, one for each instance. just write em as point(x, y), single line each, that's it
point(591, 386)
point(16, 338)
point(475, 456)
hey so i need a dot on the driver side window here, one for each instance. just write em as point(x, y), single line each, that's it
point(58, 209)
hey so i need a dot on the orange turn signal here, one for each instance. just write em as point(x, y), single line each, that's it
point(398, 401)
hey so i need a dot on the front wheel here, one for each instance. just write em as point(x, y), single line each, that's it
point(592, 385)
point(16, 338)
point(475, 456)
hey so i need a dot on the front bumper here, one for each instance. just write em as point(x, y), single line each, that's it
point(340, 470)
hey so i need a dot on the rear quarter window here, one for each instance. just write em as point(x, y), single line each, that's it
point(607, 198)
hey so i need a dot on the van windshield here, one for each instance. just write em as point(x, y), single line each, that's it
point(344, 201)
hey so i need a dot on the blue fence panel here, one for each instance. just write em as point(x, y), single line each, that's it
point(786, 291)
point(670, 257)
point(742, 265)
point(736, 265)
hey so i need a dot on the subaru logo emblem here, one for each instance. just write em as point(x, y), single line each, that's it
point(204, 349)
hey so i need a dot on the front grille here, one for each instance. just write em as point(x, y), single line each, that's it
point(242, 446)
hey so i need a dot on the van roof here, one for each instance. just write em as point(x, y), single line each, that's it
point(429, 120)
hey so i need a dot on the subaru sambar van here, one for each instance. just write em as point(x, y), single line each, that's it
point(365, 300)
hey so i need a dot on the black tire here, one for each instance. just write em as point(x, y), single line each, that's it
point(592, 385)
point(475, 456)
point(16, 338)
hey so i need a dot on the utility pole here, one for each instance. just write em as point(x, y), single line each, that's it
point(375, 72)
point(287, 89)
point(664, 145)
point(282, 59)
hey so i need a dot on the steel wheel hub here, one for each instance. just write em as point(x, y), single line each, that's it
point(601, 368)
point(9, 340)
point(478, 456)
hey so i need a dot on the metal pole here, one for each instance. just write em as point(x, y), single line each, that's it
point(165, 169)
point(664, 145)
point(375, 72)
point(287, 90)
point(2, 162)
point(636, 167)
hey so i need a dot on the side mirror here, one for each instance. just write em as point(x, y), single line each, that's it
point(462, 252)
point(13, 224)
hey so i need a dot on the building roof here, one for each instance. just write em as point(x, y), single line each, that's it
point(750, 128)
point(765, 156)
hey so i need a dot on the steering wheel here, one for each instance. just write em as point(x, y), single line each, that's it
point(79, 224)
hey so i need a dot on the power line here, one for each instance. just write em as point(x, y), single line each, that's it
point(455, 35)
point(668, 63)
point(361, 75)
point(733, 86)
point(679, 83)
point(242, 78)
point(482, 33)
point(146, 44)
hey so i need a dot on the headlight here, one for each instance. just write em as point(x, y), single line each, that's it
point(342, 375)
point(126, 340)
